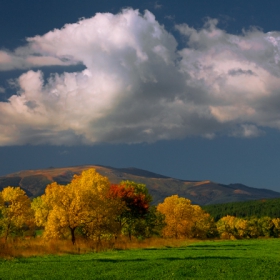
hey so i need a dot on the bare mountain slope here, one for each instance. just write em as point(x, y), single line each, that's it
point(199, 192)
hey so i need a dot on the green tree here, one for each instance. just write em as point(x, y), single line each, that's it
point(133, 220)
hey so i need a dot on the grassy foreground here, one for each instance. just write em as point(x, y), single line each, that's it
point(243, 259)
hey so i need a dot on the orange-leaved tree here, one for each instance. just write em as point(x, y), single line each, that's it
point(15, 210)
point(183, 219)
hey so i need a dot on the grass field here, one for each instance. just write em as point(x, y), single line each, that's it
point(242, 259)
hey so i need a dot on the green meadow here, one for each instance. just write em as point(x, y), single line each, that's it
point(237, 259)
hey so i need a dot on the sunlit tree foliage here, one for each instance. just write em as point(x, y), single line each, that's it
point(15, 211)
point(184, 219)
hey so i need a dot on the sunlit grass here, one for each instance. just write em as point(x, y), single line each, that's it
point(238, 259)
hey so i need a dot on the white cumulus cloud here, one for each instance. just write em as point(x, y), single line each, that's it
point(137, 86)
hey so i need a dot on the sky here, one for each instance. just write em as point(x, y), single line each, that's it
point(187, 89)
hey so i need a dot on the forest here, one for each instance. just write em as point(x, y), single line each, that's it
point(91, 209)
point(246, 209)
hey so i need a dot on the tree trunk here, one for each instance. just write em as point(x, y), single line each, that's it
point(7, 232)
point(73, 235)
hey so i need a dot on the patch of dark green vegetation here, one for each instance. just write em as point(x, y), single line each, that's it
point(35, 184)
point(9, 181)
point(254, 208)
point(64, 178)
point(239, 259)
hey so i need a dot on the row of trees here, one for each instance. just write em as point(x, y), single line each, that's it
point(245, 209)
point(89, 206)
point(93, 208)
point(231, 227)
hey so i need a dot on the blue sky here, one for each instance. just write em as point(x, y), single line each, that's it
point(188, 89)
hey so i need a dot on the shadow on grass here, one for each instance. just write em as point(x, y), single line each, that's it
point(199, 258)
point(161, 248)
point(219, 249)
point(77, 260)
point(168, 259)
point(118, 261)
point(201, 247)
point(219, 246)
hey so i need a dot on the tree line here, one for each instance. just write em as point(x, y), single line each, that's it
point(89, 207)
point(245, 209)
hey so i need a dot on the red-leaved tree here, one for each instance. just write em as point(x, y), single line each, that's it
point(137, 202)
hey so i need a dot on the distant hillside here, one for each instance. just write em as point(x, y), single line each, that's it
point(255, 208)
point(199, 192)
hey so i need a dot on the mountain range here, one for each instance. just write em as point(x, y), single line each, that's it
point(34, 183)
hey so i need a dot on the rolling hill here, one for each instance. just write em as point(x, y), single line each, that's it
point(199, 192)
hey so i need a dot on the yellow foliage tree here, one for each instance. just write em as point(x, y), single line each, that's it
point(15, 210)
point(41, 210)
point(276, 222)
point(242, 228)
point(226, 227)
point(82, 203)
point(100, 209)
point(203, 224)
point(184, 219)
point(231, 227)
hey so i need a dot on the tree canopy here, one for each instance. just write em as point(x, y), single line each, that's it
point(184, 220)
point(15, 211)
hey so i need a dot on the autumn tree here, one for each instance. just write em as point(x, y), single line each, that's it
point(276, 222)
point(267, 226)
point(226, 227)
point(41, 209)
point(136, 198)
point(58, 210)
point(15, 210)
point(203, 225)
point(103, 211)
point(184, 219)
point(83, 203)
point(253, 227)
point(233, 227)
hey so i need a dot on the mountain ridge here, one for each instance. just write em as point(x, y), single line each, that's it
point(199, 192)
